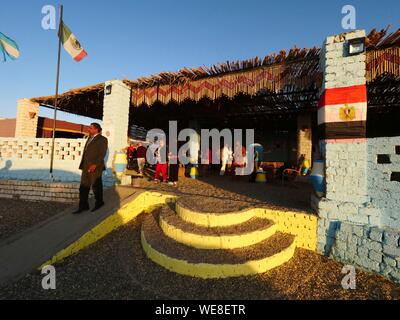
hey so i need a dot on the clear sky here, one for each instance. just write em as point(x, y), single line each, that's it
point(133, 38)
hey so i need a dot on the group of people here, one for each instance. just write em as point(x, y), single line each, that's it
point(232, 159)
point(229, 161)
point(136, 156)
point(92, 163)
point(162, 159)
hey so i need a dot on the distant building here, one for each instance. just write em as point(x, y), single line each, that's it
point(64, 129)
point(7, 128)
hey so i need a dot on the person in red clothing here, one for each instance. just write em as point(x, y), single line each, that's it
point(141, 157)
point(131, 154)
point(239, 157)
point(173, 168)
point(161, 165)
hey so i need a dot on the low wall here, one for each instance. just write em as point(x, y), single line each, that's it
point(370, 248)
point(357, 229)
point(383, 187)
point(29, 159)
point(39, 191)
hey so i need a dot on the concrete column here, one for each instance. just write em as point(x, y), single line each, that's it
point(304, 136)
point(116, 116)
point(350, 227)
point(342, 117)
point(27, 118)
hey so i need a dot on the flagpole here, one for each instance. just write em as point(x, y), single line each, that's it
point(56, 97)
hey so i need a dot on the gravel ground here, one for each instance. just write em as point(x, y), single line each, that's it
point(254, 224)
point(117, 268)
point(223, 194)
point(18, 215)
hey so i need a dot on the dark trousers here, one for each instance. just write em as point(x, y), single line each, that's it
point(90, 180)
point(173, 172)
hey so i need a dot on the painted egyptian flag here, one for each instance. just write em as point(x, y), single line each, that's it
point(8, 47)
point(71, 43)
point(342, 113)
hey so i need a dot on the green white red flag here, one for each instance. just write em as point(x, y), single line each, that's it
point(71, 43)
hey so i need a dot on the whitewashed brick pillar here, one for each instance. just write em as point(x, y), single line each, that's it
point(342, 115)
point(27, 118)
point(116, 116)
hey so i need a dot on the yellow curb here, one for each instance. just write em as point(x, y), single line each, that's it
point(144, 202)
point(214, 241)
point(302, 225)
point(212, 271)
point(207, 219)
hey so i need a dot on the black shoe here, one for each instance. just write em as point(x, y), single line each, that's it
point(80, 210)
point(97, 206)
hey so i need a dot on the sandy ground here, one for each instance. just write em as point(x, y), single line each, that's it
point(224, 194)
point(117, 268)
point(18, 215)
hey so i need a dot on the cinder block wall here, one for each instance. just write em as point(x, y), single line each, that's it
point(359, 216)
point(39, 191)
point(383, 188)
point(29, 159)
point(370, 248)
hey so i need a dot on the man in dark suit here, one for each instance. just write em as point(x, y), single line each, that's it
point(92, 166)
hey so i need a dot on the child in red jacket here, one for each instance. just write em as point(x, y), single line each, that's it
point(161, 165)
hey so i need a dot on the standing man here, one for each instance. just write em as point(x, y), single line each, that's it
point(141, 157)
point(92, 166)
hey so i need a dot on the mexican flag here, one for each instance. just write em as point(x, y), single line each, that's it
point(71, 43)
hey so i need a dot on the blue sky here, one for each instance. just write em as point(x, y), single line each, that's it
point(133, 38)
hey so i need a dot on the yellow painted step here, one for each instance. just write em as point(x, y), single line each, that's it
point(209, 219)
point(248, 233)
point(204, 263)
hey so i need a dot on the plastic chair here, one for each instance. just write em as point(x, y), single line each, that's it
point(290, 174)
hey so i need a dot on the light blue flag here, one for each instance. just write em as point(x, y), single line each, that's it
point(8, 47)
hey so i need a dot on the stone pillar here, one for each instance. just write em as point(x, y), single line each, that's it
point(342, 114)
point(349, 224)
point(27, 118)
point(304, 136)
point(117, 97)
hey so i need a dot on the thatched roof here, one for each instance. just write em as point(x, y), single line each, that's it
point(192, 74)
point(296, 70)
point(382, 39)
point(85, 101)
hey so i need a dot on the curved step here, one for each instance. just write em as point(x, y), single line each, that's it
point(203, 263)
point(242, 235)
point(209, 219)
